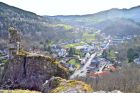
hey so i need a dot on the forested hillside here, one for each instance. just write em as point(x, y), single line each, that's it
point(33, 27)
point(114, 21)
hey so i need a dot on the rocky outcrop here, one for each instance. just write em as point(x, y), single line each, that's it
point(59, 85)
point(31, 71)
point(115, 91)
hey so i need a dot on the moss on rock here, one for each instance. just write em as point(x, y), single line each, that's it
point(18, 91)
point(29, 71)
point(65, 86)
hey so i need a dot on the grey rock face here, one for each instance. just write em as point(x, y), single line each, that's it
point(115, 91)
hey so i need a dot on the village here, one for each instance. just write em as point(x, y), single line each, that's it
point(77, 56)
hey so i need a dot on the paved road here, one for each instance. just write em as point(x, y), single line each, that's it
point(3, 57)
point(82, 71)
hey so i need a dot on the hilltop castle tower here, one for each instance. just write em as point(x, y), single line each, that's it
point(14, 42)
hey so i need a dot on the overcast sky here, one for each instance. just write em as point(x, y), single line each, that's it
point(70, 7)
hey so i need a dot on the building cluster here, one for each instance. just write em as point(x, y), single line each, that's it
point(100, 67)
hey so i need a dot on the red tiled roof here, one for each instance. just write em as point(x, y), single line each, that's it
point(95, 74)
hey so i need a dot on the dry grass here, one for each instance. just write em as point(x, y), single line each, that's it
point(18, 91)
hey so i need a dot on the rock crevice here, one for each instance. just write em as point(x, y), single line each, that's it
point(30, 72)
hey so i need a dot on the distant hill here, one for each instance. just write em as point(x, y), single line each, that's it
point(33, 27)
point(113, 21)
point(38, 29)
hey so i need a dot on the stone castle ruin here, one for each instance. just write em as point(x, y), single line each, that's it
point(14, 42)
point(26, 70)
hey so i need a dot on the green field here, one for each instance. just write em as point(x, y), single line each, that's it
point(66, 27)
point(75, 62)
point(74, 45)
point(88, 37)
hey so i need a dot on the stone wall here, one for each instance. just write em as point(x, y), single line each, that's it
point(30, 72)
